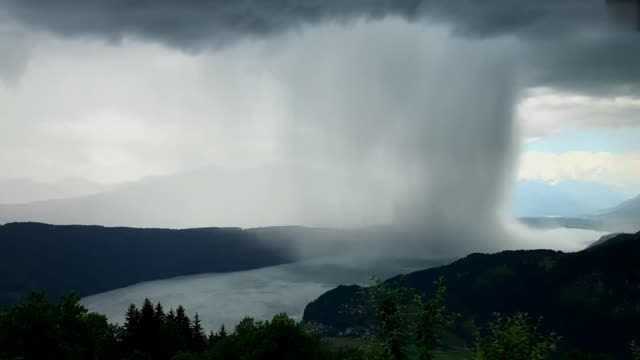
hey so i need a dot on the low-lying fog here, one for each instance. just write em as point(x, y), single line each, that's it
point(261, 293)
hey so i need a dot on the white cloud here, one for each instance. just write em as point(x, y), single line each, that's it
point(615, 169)
point(543, 112)
point(118, 112)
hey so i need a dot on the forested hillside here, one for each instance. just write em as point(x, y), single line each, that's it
point(591, 297)
point(92, 259)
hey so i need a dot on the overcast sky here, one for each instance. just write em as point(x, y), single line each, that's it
point(114, 91)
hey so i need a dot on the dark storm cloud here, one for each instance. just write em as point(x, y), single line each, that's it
point(564, 50)
point(199, 23)
point(604, 65)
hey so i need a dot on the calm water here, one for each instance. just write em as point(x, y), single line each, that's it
point(261, 293)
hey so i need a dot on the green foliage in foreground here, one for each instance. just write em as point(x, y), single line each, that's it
point(279, 338)
point(37, 329)
point(635, 350)
point(407, 327)
point(515, 337)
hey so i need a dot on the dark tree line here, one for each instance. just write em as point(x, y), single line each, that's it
point(37, 329)
point(406, 327)
point(150, 332)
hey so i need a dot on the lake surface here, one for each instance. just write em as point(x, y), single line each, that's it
point(261, 293)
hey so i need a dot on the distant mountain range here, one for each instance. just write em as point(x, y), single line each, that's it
point(622, 218)
point(572, 199)
point(261, 197)
point(624, 214)
point(590, 298)
point(273, 195)
point(21, 190)
point(577, 205)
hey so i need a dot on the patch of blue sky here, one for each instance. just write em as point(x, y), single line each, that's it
point(613, 140)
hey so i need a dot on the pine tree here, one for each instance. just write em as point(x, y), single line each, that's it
point(159, 314)
point(183, 329)
point(171, 338)
point(171, 316)
point(199, 340)
point(132, 318)
point(147, 314)
point(147, 328)
point(132, 327)
point(212, 339)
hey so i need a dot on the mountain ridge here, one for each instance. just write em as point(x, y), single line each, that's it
point(596, 288)
point(89, 259)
